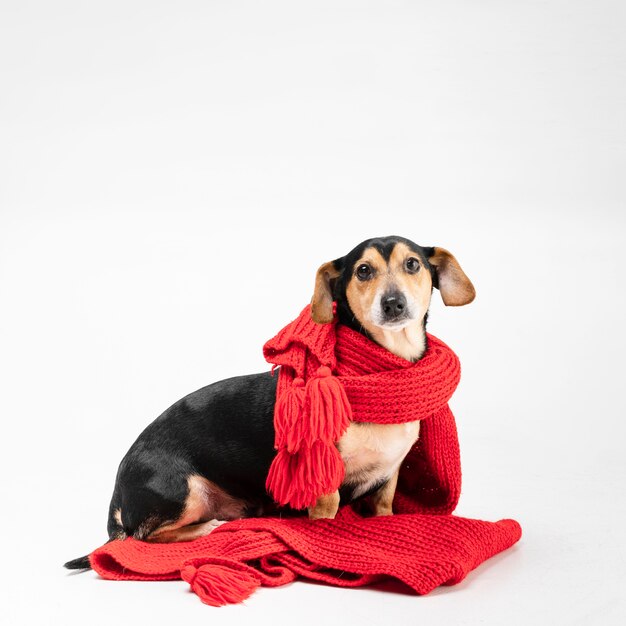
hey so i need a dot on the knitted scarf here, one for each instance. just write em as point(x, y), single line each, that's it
point(329, 376)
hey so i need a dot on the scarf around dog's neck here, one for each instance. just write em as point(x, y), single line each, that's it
point(331, 375)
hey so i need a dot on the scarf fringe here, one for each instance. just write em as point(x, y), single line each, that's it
point(308, 419)
point(329, 409)
point(299, 479)
point(289, 415)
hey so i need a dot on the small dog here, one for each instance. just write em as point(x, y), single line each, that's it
point(205, 460)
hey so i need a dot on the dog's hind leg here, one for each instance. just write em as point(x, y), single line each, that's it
point(170, 534)
point(206, 507)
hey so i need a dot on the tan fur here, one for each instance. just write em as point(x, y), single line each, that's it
point(361, 294)
point(325, 507)
point(455, 287)
point(184, 533)
point(322, 300)
point(382, 500)
point(118, 533)
point(374, 452)
point(364, 297)
point(204, 500)
point(408, 343)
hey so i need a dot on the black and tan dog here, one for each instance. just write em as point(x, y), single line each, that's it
point(205, 460)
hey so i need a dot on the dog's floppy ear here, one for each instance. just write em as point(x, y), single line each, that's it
point(322, 300)
point(455, 287)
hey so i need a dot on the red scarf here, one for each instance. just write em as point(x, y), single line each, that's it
point(330, 375)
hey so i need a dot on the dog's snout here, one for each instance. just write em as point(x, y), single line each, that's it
point(393, 305)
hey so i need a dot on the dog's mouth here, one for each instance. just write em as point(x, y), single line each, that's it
point(396, 324)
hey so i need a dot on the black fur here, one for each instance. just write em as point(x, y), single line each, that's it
point(223, 432)
point(79, 563)
point(345, 265)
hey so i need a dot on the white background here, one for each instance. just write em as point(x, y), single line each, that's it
point(172, 174)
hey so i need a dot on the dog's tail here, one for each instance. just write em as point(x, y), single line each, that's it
point(80, 563)
point(114, 529)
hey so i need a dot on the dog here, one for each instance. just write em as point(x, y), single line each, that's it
point(205, 460)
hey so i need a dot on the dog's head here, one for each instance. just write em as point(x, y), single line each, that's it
point(384, 285)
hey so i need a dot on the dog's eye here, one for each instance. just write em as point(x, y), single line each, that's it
point(412, 265)
point(364, 272)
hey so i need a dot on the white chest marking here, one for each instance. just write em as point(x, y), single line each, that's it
point(373, 452)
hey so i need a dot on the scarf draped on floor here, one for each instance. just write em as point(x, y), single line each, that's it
point(330, 376)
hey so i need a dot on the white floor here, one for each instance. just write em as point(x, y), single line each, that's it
point(172, 176)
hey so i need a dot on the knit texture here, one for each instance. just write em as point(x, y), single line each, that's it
point(331, 375)
point(421, 551)
point(421, 545)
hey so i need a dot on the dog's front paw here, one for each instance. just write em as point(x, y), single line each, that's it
point(382, 510)
point(326, 507)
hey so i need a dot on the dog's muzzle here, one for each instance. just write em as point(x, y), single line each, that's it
point(394, 307)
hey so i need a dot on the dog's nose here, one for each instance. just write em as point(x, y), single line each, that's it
point(394, 305)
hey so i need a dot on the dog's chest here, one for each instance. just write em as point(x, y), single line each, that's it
point(372, 452)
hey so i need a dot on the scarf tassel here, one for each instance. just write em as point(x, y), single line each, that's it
point(309, 419)
point(299, 479)
point(289, 414)
point(221, 583)
point(329, 407)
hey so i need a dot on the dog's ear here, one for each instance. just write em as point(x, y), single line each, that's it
point(322, 300)
point(455, 287)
